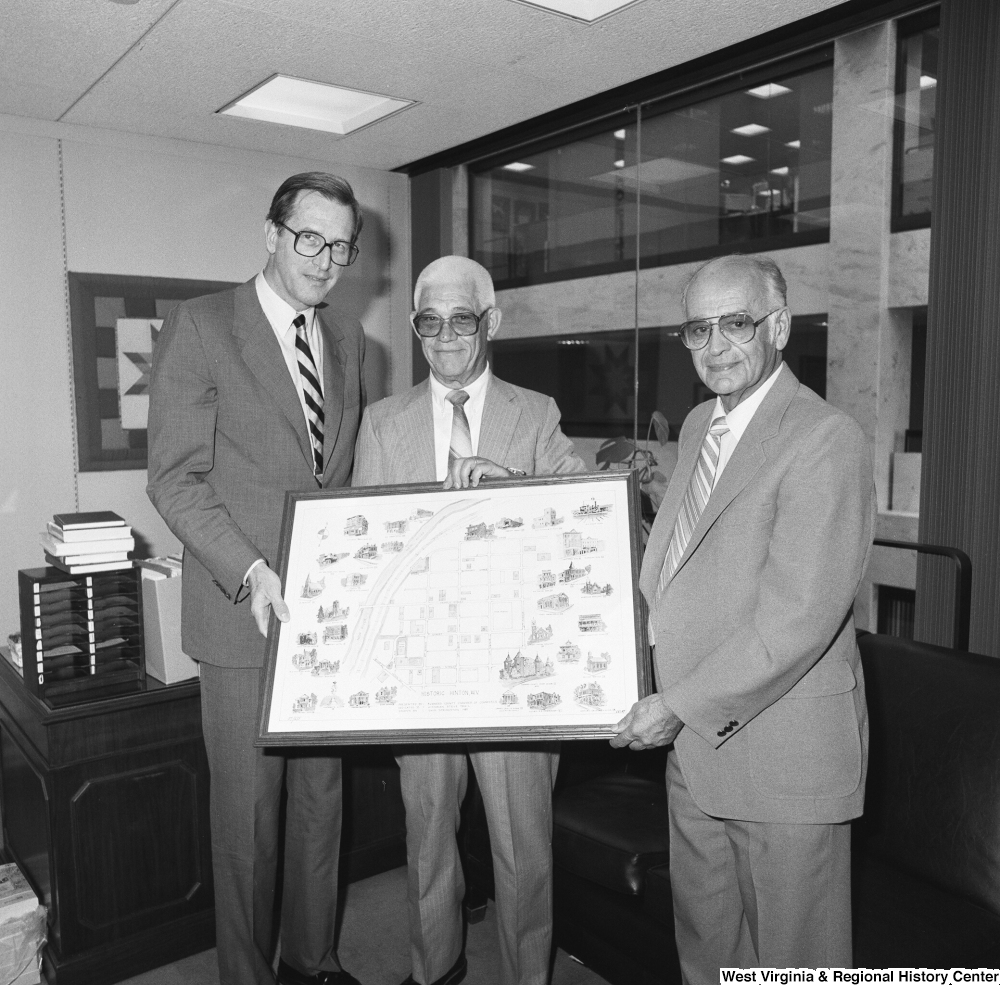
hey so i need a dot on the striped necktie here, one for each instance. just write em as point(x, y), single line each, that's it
point(312, 391)
point(695, 499)
point(461, 433)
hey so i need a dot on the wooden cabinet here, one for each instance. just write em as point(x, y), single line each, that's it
point(105, 808)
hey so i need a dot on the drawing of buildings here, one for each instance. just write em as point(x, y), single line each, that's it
point(354, 580)
point(356, 526)
point(547, 519)
point(596, 664)
point(554, 603)
point(592, 588)
point(592, 509)
point(590, 694)
point(304, 659)
point(333, 611)
point(546, 579)
point(506, 523)
point(569, 652)
point(326, 668)
point(592, 623)
point(539, 635)
point(335, 634)
point(478, 531)
point(544, 699)
point(359, 700)
point(520, 668)
point(307, 639)
point(367, 552)
point(313, 587)
point(421, 515)
point(326, 560)
point(572, 574)
point(508, 698)
point(385, 696)
point(575, 542)
point(392, 547)
point(306, 703)
point(395, 526)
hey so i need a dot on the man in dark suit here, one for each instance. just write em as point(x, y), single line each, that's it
point(254, 392)
point(460, 425)
point(750, 573)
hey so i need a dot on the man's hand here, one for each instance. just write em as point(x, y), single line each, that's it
point(465, 472)
point(654, 487)
point(265, 594)
point(649, 724)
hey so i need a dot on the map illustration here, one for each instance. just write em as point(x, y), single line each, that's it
point(458, 609)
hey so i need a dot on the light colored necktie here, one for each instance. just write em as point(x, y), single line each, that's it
point(695, 499)
point(461, 433)
point(312, 391)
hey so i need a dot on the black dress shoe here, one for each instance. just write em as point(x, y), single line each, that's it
point(287, 975)
point(452, 976)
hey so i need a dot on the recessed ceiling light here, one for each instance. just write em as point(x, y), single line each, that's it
point(587, 11)
point(781, 171)
point(619, 164)
point(927, 81)
point(518, 166)
point(794, 144)
point(313, 105)
point(768, 90)
point(737, 159)
point(620, 134)
point(751, 130)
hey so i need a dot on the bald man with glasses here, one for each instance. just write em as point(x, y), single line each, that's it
point(458, 427)
point(750, 573)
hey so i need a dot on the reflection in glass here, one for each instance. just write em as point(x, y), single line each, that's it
point(749, 167)
point(916, 111)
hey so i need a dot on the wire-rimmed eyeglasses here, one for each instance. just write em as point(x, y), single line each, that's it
point(738, 327)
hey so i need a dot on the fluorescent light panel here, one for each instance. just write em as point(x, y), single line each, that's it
point(737, 159)
point(927, 82)
point(518, 166)
point(587, 11)
point(768, 90)
point(794, 144)
point(620, 134)
point(780, 171)
point(313, 105)
point(751, 130)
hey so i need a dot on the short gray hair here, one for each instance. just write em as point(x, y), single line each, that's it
point(768, 272)
point(450, 269)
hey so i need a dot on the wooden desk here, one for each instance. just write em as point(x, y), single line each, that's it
point(105, 808)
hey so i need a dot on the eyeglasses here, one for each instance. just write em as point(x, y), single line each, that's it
point(310, 244)
point(738, 327)
point(429, 325)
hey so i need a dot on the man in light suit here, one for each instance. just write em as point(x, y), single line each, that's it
point(254, 392)
point(750, 573)
point(460, 426)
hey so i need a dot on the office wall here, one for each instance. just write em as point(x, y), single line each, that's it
point(94, 201)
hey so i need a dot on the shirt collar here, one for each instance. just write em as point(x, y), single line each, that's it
point(439, 391)
point(278, 311)
point(740, 416)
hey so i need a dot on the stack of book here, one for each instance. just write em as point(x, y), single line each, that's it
point(80, 543)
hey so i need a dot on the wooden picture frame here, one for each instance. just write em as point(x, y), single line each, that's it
point(509, 612)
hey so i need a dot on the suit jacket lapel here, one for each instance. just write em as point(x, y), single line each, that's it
point(747, 458)
point(417, 459)
point(500, 416)
point(264, 358)
point(333, 381)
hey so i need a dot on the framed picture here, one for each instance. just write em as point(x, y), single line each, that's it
point(115, 321)
point(509, 612)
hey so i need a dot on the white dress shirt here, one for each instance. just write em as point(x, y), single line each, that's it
point(444, 411)
point(738, 419)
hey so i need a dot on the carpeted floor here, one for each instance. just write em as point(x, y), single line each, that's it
point(373, 944)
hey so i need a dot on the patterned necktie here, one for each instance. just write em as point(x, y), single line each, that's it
point(311, 390)
point(461, 433)
point(695, 499)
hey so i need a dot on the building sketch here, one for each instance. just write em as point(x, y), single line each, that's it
point(547, 519)
point(304, 660)
point(479, 531)
point(590, 694)
point(354, 580)
point(554, 603)
point(307, 639)
point(304, 704)
point(575, 542)
point(546, 579)
point(313, 587)
point(326, 668)
point(327, 560)
point(506, 523)
point(544, 699)
point(396, 526)
point(359, 700)
point(356, 526)
point(367, 552)
point(569, 652)
point(538, 634)
point(572, 574)
point(333, 611)
point(385, 696)
point(592, 623)
point(522, 668)
point(591, 509)
point(508, 698)
point(335, 634)
point(392, 547)
point(420, 515)
point(595, 665)
point(593, 588)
